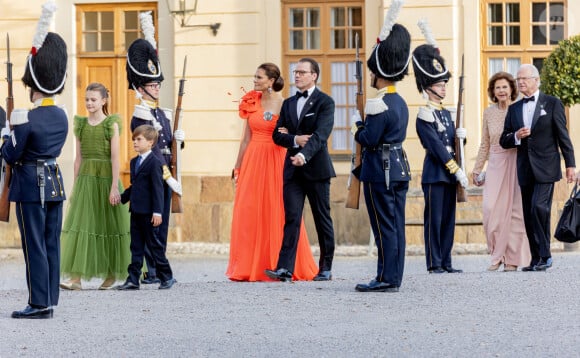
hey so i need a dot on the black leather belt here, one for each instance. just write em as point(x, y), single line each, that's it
point(39, 164)
point(392, 146)
point(386, 149)
point(49, 161)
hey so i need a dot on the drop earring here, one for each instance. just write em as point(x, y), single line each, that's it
point(269, 89)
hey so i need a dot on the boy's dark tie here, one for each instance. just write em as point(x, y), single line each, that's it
point(138, 162)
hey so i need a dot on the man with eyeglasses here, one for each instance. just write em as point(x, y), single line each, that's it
point(305, 123)
point(144, 77)
point(536, 126)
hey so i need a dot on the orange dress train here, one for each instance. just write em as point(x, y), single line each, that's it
point(258, 216)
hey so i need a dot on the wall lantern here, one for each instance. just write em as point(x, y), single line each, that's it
point(182, 14)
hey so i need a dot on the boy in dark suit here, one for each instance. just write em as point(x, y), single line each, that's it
point(146, 196)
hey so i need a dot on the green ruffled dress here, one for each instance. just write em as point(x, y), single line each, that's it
point(95, 236)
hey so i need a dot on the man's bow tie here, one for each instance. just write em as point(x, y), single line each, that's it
point(528, 99)
point(301, 94)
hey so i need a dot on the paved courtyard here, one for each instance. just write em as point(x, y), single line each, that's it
point(476, 314)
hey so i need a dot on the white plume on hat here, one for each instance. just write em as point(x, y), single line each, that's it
point(44, 22)
point(148, 28)
point(426, 31)
point(390, 19)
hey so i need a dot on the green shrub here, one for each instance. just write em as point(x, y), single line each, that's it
point(561, 72)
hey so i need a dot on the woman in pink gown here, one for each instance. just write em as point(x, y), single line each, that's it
point(258, 216)
point(503, 220)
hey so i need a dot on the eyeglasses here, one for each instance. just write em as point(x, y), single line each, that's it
point(300, 73)
point(155, 85)
point(525, 78)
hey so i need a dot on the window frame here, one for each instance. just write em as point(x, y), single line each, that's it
point(325, 56)
point(119, 30)
point(526, 51)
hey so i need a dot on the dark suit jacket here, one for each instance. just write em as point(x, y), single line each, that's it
point(317, 118)
point(538, 155)
point(146, 190)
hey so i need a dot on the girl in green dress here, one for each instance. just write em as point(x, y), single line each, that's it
point(95, 236)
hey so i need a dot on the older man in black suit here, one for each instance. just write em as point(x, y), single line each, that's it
point(536, 125)
point(304, 126)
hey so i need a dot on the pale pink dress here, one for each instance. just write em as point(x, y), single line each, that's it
point(503, 219)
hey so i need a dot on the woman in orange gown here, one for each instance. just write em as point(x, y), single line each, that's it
point(258, 217)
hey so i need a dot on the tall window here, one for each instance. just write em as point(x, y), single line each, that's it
point(326, 32)
point(519, 32)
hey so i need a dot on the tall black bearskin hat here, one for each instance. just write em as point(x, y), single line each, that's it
point(143, 64)
point(428, 65)
point(390, 57)
point(45, 70)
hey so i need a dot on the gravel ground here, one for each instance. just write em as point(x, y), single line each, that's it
point(477, 313)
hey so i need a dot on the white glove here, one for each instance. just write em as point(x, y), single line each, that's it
point(461, 133)
point(174, 185)
point(5, 132)
point(355, 118)
point(179, 135)
point(461, 178)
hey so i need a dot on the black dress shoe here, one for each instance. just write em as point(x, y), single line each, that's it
point(323, 276)
point(450, 269)
point(165, 285)
point(436, 270)
point(280, 274)
point(148, 280)
point(33, 313)
point(532, 267)
point(544, 264)
point(376, 286)
point(128, 285)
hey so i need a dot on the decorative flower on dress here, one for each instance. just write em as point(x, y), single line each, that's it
point(249, 103)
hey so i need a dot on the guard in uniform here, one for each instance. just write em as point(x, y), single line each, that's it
point(145, 77)
point(436, 131)
point(385, 171)
point(37, 189)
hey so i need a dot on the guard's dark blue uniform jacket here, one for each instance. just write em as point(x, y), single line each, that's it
point(36, 141)
point(158, 118)
point(385, 175)
point(436, 131)
point(386, 127)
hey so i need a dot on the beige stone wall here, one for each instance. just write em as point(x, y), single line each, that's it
point(218, 66)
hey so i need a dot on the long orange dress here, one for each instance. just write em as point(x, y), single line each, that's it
point(258, 216)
